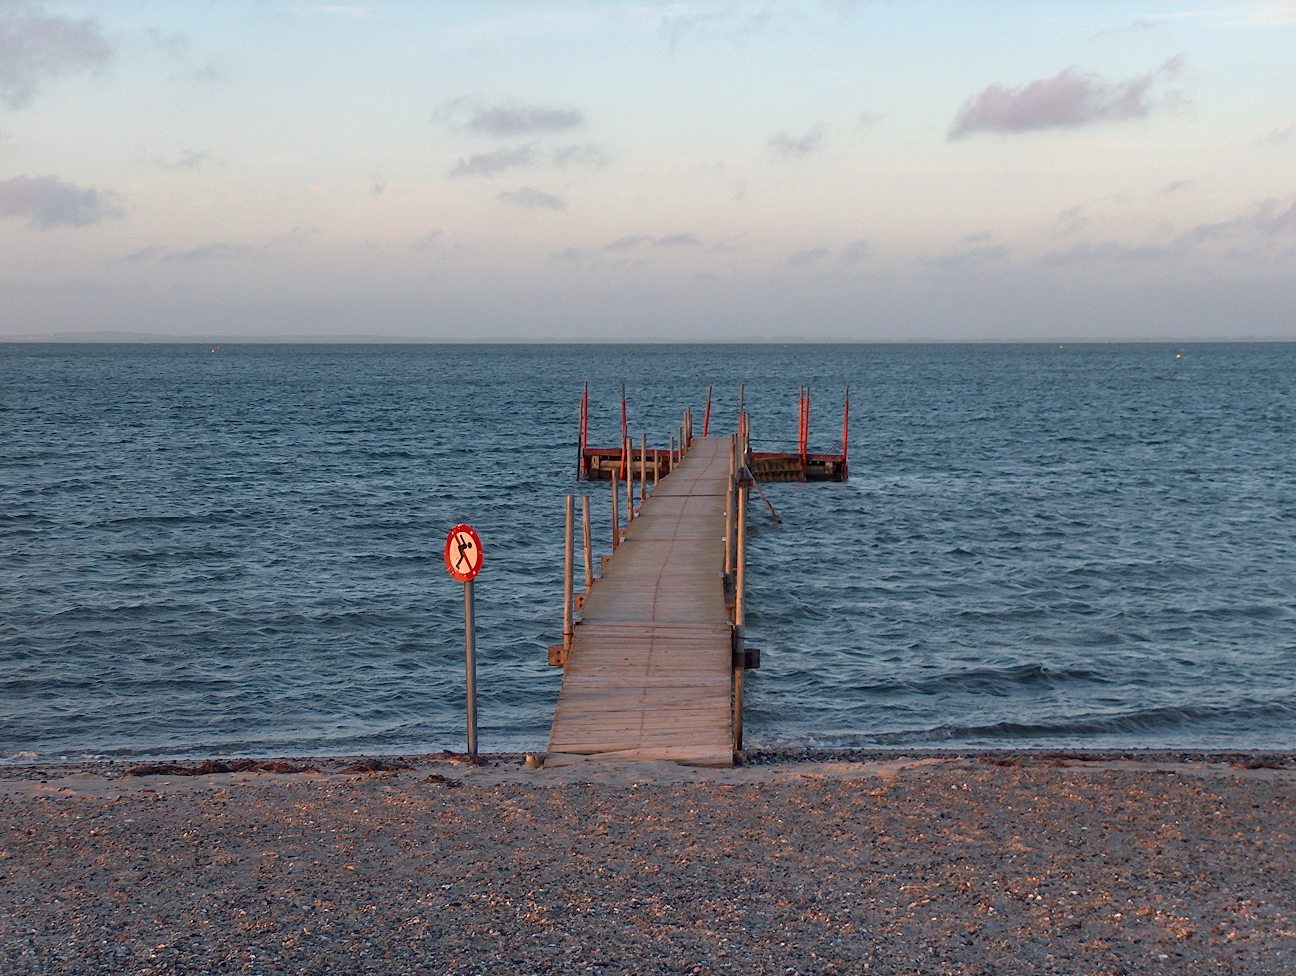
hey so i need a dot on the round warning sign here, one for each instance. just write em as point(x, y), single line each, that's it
point(463, 553)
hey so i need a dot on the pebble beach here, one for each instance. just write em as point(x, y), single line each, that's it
point(813, 863)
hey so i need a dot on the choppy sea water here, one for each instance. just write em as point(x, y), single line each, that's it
point(239, 551)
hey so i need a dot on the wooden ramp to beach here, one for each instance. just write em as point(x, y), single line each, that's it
point(649, 673)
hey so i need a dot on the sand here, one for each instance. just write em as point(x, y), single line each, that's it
point(795, 863)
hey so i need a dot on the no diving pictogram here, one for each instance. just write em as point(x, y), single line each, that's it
point(463, 553)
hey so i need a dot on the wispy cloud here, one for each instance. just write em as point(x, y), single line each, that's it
point(798, 259)
point(189, 159)
point(221, 250)
point(789, 147)
point(509, 120)
point(506, 119)
point(1067, 100)
point(1268, 219)
point(628, 243)
point(585, 156)
point(973, 257)
point(1106, 252)
point(334, 10)
point(677, 240)
point(34, 47)
point(634, 241)
point(493, 163)
point(1281, 136)
point(209, 252)
point(588, 156)
point(529, 196)
point(731, 22)
point(856, 251)
point(47, 201)
point(428, 241)
point(1266, 228)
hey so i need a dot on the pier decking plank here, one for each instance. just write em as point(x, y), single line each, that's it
point(649, 672)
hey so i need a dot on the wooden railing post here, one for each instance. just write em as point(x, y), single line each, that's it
point(739, 630)
point(729, 514)
point(616, 513)
point(643, 468)
point(630, 511)
point(569, 571)
point(589, 548)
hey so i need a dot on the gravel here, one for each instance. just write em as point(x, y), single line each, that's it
point(831, 863)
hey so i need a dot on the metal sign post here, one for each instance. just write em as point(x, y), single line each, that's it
point(463, 561)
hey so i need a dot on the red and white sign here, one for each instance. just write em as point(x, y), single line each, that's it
point(463, 553)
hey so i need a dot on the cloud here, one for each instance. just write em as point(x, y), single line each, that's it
point(1268, 219)
point(733, 24)
point(492, 163)
point(1069, 221)
point(971, 258)
point(47, 201)
point(222, 250)
point(1268, 224)
point(334, 9)
point(572, 255)
point(524, 157)
point(1177, 186)
point(210, 252)
point(633, 241)
point(801, 258)
point(856, 251)
point(1106, 251)
point(677, 240)
point(590, 156)
point(298, 235)
point(869, 119)
point(189, 159)
point(427, 241)
point(1281, 136)
point(529, 196)
point(175, 45)
point(203, 252)
point(627, 243)
point(782, 144)
point(1067, 100)
point(35, 47)
point(505, 120)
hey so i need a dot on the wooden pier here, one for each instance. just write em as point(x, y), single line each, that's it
point(654, 664)
point(649, 671)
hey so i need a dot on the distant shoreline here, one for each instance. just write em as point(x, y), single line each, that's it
point(162, 339)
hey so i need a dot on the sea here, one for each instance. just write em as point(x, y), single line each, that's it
point(237, 550)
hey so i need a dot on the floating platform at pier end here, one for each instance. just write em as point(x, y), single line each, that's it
point(604, 463)
point(649, 671)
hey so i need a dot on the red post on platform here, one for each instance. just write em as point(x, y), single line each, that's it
point(582, 464)
point(845, 430)
point(706, 417)
point(625, 461)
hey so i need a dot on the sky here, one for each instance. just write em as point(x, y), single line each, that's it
point(819, 170)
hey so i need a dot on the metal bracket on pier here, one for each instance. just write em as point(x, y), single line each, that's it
point(746, 657)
